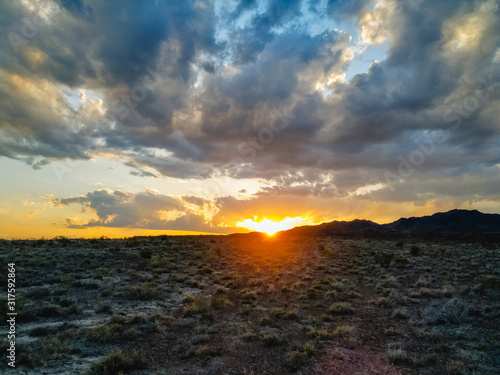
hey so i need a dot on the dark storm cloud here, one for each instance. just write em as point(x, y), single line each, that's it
point(378, 115)
point(241, 105)
point(216, 81)
point(252, 39)
point(105, 46)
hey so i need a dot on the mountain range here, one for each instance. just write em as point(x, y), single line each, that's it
point(454, 221)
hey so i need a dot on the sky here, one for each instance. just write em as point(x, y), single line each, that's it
point(185, 117)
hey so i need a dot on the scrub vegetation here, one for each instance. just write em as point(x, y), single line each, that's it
point(256, 304)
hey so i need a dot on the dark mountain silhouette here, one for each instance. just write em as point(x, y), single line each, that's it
point(335, 227)
point(454, 221)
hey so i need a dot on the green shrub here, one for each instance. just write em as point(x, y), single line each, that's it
point(396, 353)
point(384, 259)
point(400, 261)
point(296, 358)
point(146, 253)
point(119, 328)
point(219, 302)
point(248, 296)
point(39, 331)
point(56, 348)
point(74, 309)
point(115, 362)
point(319, 334)
point(49, 310)
point(340, 308)
point(106, 333)
point(383, 302)
point(484, 282)
point(270, 339)
point(414, 250)
point(142, 291)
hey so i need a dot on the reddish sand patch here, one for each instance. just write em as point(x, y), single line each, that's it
point(362, 361)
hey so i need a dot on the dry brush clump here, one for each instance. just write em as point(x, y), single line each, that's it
point(117, 362)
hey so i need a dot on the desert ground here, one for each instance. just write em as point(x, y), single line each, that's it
point(255, 304)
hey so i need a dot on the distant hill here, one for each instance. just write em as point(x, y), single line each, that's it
point(335, 227)
point(454, 221)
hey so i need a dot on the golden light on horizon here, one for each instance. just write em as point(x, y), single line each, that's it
point(270, 227)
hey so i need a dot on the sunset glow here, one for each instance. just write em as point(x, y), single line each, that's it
point(232, 116)
point(271, 227)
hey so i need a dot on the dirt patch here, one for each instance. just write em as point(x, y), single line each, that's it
point(361, 361)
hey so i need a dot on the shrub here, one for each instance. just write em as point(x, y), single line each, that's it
point(142, 291)
point(312, 293)
point(162, 264)
point(146, 253)
point(115, 362)
point(198, 306)
point(340, 308)
point(117, 329)
point(344, 331)
point(384, 302)
point(104, 307)
point(423, 281)
point(400, 313)
point(248, 296)
point(74, 309)
point(291, 315)
point(346, 334)
point(265, 320)
point(49, 310)
point(106, 333)
point(3, 306)
point(296, 358)
point(384, 259)
point(249, 336)
point(400, 261)
point(55, 348)
point(39, 331)
point(414, 250)
point(453, 311)
point(320, 334)
point(206, 271)
point(396, 353)
point(328, 252)
point(218, 302)
point(270, 339)
point(484, 282)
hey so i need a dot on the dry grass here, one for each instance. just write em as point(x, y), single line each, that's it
point(256, 304)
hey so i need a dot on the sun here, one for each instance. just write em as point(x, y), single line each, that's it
point(270, 227)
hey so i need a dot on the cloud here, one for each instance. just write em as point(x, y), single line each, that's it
point(342, 8)
point(94, 46)
point(146, 210)
point(194, 89)
point(252, 39)
point(123, 209)
point(376, 24)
